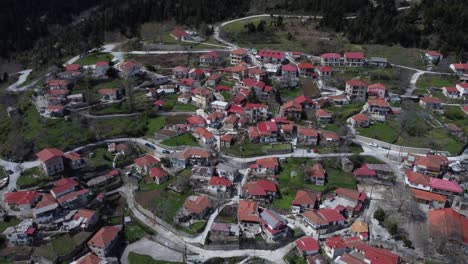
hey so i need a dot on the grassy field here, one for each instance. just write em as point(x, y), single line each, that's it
point(185, 139)
point(430, 80)
point(11, 221)
point(289, 185)
point(59, 246)
point(133, 233)
point(94, 57)
point(155, 124)
point(135, 258)
point(395, 54)
point(31, 177)
point(102, 159)
point(247, 149)
point(342, 113)
point(454, 114)
point(194, 229)
point(184, 108)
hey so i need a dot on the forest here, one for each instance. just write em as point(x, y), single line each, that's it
point(40, 33)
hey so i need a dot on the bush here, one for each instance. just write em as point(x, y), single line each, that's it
point(391, 227)
point(407, 243)
point(379, 215)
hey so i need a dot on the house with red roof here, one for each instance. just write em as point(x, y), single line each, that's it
point(74, 160)
point(218, 115)
point(463, 89)
point(324, 220)
point(323, 116)
point(86, 218)
point(186, 85)
point(378, 107)
point(45, 208)
point(329, 137)
point(159, 175)
point(180, 72)
point(237, 56)
point(256, 112)
point(22, 199)
point(196, 74)
point(205, 136)
point(417, 180)
point(334, 247)
point(433, 56)
point(354, 59)
point(356, 90)
point(190, 156)
point(74, 199)
point(306, 70)
point(51, 160)
point(72, 67)
point(331, 59)
point(346, 201)
point(307, 246)
point(197, 207)
point(307, 136)
point(448, 224)
point(213, 80)
point(305, 200)
point(220, 185)
point(57, 84)
point(324, 71)
point(316, 174)
point(89, 258)
point(289, 71)
point(257, 74)
point(209, 59)
point(430, 103)
point(202, 97)
point(264, 132)
point(180, 34)
point(433, 165)
point(434, 200)
point(64, 186)
point(451, 92)
point(104, 240)
point(305, 102)
point(459, 68)
point(271, 56)
point(265, 166)
point(196, 121)
point(364, 173)
point(248, 217)
point(377, 90)
point(100, 68)
point(129, 68)
point(291, 109)
point(230, 122)
point(145, 163)
point(274, 226)
point(445, 187)
point(359, 120)
point(260, 190)
point(109, 94)
point(226, 140)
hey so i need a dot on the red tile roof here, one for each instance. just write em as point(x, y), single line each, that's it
point(376, 86)
point(196, 71)
point(335, 242)
point(222, 88)
point(46, 200)
point(104, 236)
point(448, 223)
point(445, 185)
point(418, 178)
point(306, 197)
point(325, 69)
point(227, 137)
point(220, 181)
point(260, 188)
point(72, 67)
point(330, 135)
point(463, 85)
point(360, 117)
point(433, 53)
point(102, 63)
point(239, 52)
point(63, 185)
point(198, 153)
point(269, 163)
point(21, 197)
point(196, 120)
point(305, 65)
point(316, 171)
point(460, 66)
point(307, 131)
point(185, 81)
point(107, 91)
point(180, 69)
point(72, 156)
point(331, 215)
point(204, 133)
point(351, 194)
point(179, 32)
point(84, 213)
point(202, 91)
point(71, 196)
point(330, 56)
point(248, 211)
point(146, 160)
point(289, 68)
point(433, 162)
point(428, 196)
point(56, 92)
point(157, 172)
point(271, 54)
point(49, 153)
point(89, 258)
point(380, 102)
point(56, 82)
point(354, 55)
point(356, 82)
point(364, 171)
point(197, 204)
point(322, 113)
point(303, 99)
point(428, 99)
point(307, 244)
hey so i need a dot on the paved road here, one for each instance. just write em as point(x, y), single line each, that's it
point(155, 250)
point(22, 78)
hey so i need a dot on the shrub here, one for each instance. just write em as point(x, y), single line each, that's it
point(379, 215)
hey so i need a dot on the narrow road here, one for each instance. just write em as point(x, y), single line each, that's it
point(22, 78)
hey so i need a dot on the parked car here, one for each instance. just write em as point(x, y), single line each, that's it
point(165, 151)
point(10, 172)
point(150, 146)
point(373, 145)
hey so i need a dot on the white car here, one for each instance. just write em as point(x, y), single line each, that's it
point(373, 145)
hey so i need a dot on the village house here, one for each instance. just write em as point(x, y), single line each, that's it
point(103, 179)
point(57, 84)
point(307, 136)
point(305, 200)
point(360, 229)
point(220, 185)
point(274, 226)
point(445, 187)
point(45, 208)
point(197, 207)
point(22, 234)
point(433, 165)
point(316, 174)
point(238, 72)
point(459, 68)
point(214, 119)
point(21, 200)
point(196, 121)
point(305, 101)
point(323, 116)
point(237, 56)
point(129, 68)
point(202, 97)
point(202, 172)
point(213, 80)
point(180, 34)
point(433, 56)
point(257, 74)
point(306, 70)
point(184, 98)
point(334, 247)
point(331, 59)
point(101, 68)
point(190, 156)
point(248, 217)
point(224, 232)
point(451, 92)
point(186, 85)
point(377, 90)
point(264, 132)
point(359, 120)
point(346, 201)
point(378, 107)
point(74, 160)
point(51, 160)
point(265, 166)
point(324, 220)
point(354, 59)
point(307, 246)
point(463, 89)
point(260, 190)
point(329, 138)
point(291, 109)
point(324, 71)
point(432, 199)
point(227, 171)
point(89, 258)
point(230, 122)
point(180, 72)
point(86, 219)
point(196, 74)
point(430, 103)
point(256, 112)
point(417, 180)
point(356, 90)
point(63, 186)
point(226, 140)
point(145, 163)
point(109, 94)
point(205, 136)
point(289, 71)
point(158, 175)
point(460, 205)
point(271, 56)
point(448, 223)
point(104, 240)
point(74, 199)
point(209, 59)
